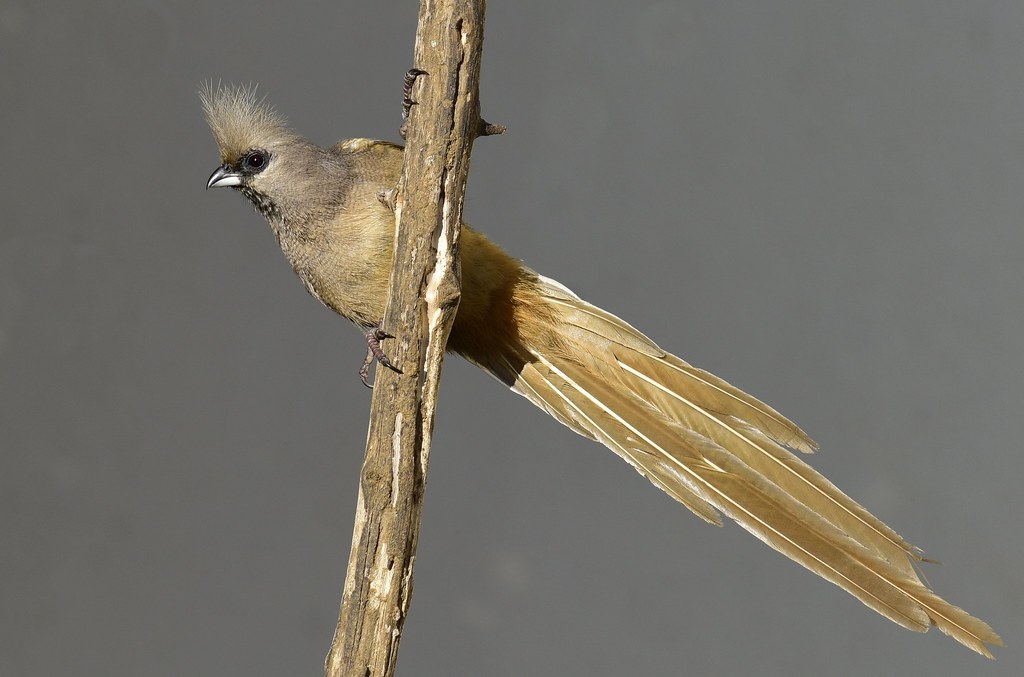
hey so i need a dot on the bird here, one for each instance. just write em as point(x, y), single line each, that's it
point(704, 442)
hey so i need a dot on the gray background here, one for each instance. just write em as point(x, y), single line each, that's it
point(820, 201)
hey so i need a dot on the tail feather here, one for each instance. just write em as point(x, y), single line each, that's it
point(540, 385)
point(766, 457)
point(707, 390)
point(716, 449)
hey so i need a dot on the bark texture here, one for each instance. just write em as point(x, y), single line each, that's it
point(424, 295)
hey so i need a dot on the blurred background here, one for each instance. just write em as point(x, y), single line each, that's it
point(819, 201)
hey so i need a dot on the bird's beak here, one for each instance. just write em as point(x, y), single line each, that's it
point(224, 176)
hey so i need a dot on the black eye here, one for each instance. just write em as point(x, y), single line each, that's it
point(255, 160)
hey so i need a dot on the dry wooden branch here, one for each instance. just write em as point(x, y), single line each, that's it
point(424, 294)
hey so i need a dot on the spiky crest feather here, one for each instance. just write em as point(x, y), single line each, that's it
point(239, 119)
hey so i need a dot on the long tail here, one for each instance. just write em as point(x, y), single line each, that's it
point(716, 449)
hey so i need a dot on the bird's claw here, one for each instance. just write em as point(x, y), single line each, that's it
point(407, 100)
point(375, 353)
point(387, 198)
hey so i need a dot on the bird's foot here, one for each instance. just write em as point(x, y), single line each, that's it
point(375, 353)
point(407, 100)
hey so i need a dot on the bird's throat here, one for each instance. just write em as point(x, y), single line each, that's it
point(262, 203)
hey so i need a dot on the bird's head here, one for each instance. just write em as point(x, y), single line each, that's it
point(260, 155)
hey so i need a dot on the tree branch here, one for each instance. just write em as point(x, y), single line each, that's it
point(423, 298)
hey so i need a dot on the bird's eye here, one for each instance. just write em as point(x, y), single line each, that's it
point(255, 160)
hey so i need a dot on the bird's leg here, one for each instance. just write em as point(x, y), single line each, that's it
point(407, 102)
point(375, 353)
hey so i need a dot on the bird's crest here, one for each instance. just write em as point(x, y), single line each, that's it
point(240, 120)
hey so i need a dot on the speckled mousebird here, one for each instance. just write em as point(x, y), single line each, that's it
point(707, 444)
